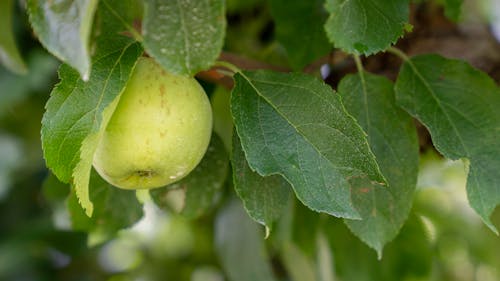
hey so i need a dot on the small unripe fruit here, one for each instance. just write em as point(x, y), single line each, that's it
point(159, 131)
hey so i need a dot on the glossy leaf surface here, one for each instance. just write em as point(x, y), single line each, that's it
point(64, 27)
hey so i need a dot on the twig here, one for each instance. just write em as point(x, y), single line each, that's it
point(237, 62)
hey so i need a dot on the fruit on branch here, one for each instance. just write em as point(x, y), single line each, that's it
point(159, 131)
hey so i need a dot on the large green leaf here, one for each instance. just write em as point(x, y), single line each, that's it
point(63, 27)
point(393, 140)
point(295, 125)
point(366, 26)
point(203, 185)
point(299, 27)
point(459, 105)
point(239, 245)
point(114, 209)
point(77, 111)
point(264, 198)
point(9, 55)
point(184, 36)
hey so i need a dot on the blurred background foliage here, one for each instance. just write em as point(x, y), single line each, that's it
point(443, 239)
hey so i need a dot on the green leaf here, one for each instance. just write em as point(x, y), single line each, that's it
point(9, 55)
point(184, 36)
point(296, 126)
point(299, 27)
point(77, 111)
point(239, 245)
point(366, 26)
point(203, 185)
point(63, 27)
point(393, 139)
point(459, 106)
point(115, 209)
point(264, 198)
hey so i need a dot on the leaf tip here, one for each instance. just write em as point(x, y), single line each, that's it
point(86, 76)
point(490, 225)
point(89, 209)
point(378, 247)
point(268, 232)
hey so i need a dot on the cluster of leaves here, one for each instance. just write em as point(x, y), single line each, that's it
point(351, 154)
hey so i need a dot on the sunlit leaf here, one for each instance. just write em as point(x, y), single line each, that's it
point(63, 27)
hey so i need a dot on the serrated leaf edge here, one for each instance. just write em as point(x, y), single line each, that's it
point(368, 52)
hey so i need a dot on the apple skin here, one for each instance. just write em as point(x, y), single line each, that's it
point(159, 131)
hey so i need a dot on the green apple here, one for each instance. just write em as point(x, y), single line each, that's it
point(159, 131)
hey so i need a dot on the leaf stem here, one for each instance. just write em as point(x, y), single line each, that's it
point(233, 69)
point(399, 53)
point(359, 65)
point(361, 71)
